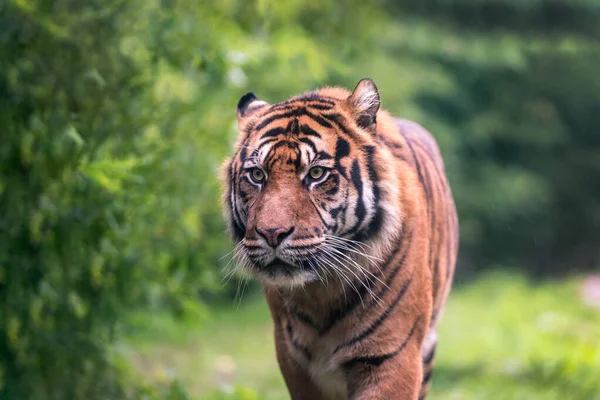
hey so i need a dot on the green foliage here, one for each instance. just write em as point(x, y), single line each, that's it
point(236, 393)
point(523, 116)
point(172, 391)
point(63, 276)
point(527, 177)
point(506, 338)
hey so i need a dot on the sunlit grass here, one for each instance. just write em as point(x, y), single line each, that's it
point(501, 338)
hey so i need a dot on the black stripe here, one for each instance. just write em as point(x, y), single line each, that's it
point(305, 319)
point(272, 157)
point(390, 143)
point(337, 314)
point(447, 238)
point(344, 206)
point(378, 360)
point(304, 237)
point(433, 184)
point(428, 150)
point(342, 149)
point(273, 132)
point(419, 172)
point(439, 174)
point(301, 348)
point(301, 111)
point(432, 157)
point(239, 229)
point(325, 224)
point(430, 356)
point(425, 184)
point(335, 186)
point(335, 211)
point(340, 122)
point(307, 99)
point(450, 240)
point(434, 232)
point(322, 155)
point(438, 170)
point(303, 246)
point(292, 104)
point(293, 127)
point(319, 106)
point(316, 97)
point(427, 378)
point(308, 131)
point(376, 222)
point(373, 327)
point(318, 119)
point(296, 160)
point(266, 142)
point(310, 143)
point(356, 179)
point(406, 240)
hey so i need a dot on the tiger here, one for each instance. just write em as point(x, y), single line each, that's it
point(345, 216)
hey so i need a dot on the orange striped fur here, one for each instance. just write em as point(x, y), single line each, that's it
point(345, 215)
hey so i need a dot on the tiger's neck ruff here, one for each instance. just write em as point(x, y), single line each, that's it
point(345, 215)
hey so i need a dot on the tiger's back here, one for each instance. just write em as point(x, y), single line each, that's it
point(368, 249)
point(426, 159)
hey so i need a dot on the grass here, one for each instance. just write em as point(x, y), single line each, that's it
point(501, 338)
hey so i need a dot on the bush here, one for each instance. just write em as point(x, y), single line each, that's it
point(72, 107)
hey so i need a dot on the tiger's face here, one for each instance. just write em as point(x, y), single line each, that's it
point(302, 193)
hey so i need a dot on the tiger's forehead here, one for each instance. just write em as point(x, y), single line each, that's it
point(292, 142)
point(304, 130)
point(303, 127)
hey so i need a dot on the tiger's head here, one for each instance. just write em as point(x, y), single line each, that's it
point(310, 193)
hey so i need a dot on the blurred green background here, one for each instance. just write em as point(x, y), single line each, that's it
point(116, 114)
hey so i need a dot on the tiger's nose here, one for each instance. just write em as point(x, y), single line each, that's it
point(274, 236)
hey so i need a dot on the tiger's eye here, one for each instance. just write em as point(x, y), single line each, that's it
point(316, 172)
point(258, 175)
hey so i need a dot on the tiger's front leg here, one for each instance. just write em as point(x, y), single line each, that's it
point(394, 379)
point(298, 382)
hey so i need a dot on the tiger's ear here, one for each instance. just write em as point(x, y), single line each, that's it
point(247, 105)
point(364, 103)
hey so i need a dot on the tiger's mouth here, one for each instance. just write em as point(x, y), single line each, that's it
point(297, 264)
point(279, 272)
point(279, 265)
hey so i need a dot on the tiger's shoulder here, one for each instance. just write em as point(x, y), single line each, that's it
point(406, 138)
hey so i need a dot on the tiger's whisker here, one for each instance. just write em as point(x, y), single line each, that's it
point(361, 268)
point(365, 284)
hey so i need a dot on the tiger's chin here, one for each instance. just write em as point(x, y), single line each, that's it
point(281, 274)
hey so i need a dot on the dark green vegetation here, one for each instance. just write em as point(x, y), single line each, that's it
point(115, 114)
